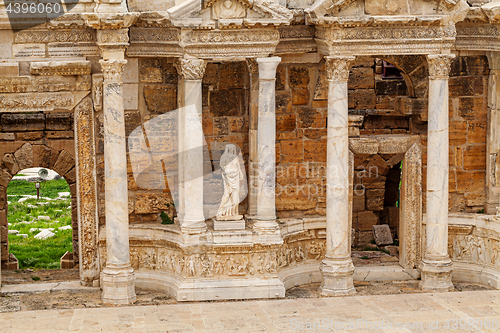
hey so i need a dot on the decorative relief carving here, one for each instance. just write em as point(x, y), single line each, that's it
point(154, 35)
point(60, 68)
point(100, 21)
point(228, 37)
point(191, 69)
point(97, 91)
point(119, 36)
point(227, 9)
point(113, 69)
point(337, 68)
point(439, 65)
point(87, 200)
point(36, 102)
point(58, 36)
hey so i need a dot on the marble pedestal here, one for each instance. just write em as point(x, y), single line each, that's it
point(229, 224)
point(436, 275)
point(337, 277)
point(117, 284)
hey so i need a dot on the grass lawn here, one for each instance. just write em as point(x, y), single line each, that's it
point(32, 252)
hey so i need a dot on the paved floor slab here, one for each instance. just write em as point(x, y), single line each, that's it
point(468, 311)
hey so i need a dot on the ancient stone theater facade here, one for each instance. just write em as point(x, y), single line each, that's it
point(342, 115)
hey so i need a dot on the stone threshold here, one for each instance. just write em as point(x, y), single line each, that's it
point(51, 287)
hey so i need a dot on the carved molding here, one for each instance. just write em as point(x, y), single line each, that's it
point(191, 69)
point(337, 68)
point(439, 65)
point(111, 21)
point(58, 36)
point(60, 68)
point(117, 36)
point(36, 102)
point(113, 69)
point(87, 198)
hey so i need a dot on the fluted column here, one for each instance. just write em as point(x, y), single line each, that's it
point(253, 70)
point(436, 266)
point(190, 141)
point(337, 267)
point(266, 146)
point(118, 276)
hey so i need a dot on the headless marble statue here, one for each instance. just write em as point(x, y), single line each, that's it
point(231, 176)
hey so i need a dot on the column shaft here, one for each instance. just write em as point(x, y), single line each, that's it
point(337, 267)
point(266, 147)
point(191, 141)
point(492, 205)
point(118, 276)
point(436, 266)
point(253, 158)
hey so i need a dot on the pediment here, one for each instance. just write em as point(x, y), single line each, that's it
point(230, 13)
point(373, 12)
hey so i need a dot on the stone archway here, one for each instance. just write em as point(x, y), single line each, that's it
point(37, 155)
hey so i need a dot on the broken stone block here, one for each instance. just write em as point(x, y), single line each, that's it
point(44, 234)
point(382, 235)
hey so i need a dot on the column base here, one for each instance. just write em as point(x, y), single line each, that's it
point(436, 275)
point(118, 284)
point(265, 227)
point(194, 228)
point(337, 277)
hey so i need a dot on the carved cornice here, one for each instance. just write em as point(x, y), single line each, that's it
point(337, 67)
point(439, 65)
point(112, 37)
point(113, 69)
point(111, 21)
point(191, 69)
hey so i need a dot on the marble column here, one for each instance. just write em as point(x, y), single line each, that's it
point(191, 139)
point(118, 276)
point(436, 266)
point(266, 148)
point(253, 71)
point(492, 205)
point(337, 268)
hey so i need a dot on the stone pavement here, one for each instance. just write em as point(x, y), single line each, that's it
point(469, 311)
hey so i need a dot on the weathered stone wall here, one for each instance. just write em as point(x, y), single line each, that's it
point(36, 140)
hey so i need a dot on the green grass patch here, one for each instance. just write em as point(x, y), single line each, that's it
point(48, 189)
point(32, 252)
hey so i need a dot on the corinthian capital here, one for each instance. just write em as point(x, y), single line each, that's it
point(191, 69)
point(337, 67)
point(113, 69)
point(439, 65)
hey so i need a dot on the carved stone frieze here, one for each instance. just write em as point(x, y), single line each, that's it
point(60, 68)
point(36, 102)
point(296, 39)
point(87, 195)
point(113, 69)
point(154, 42)
point(191, 69)
point(478, 37)
point(224, 44)
point(439, 65)
point(337, 68)
point(58, 36)
point(385, 40)
point(116, 36)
